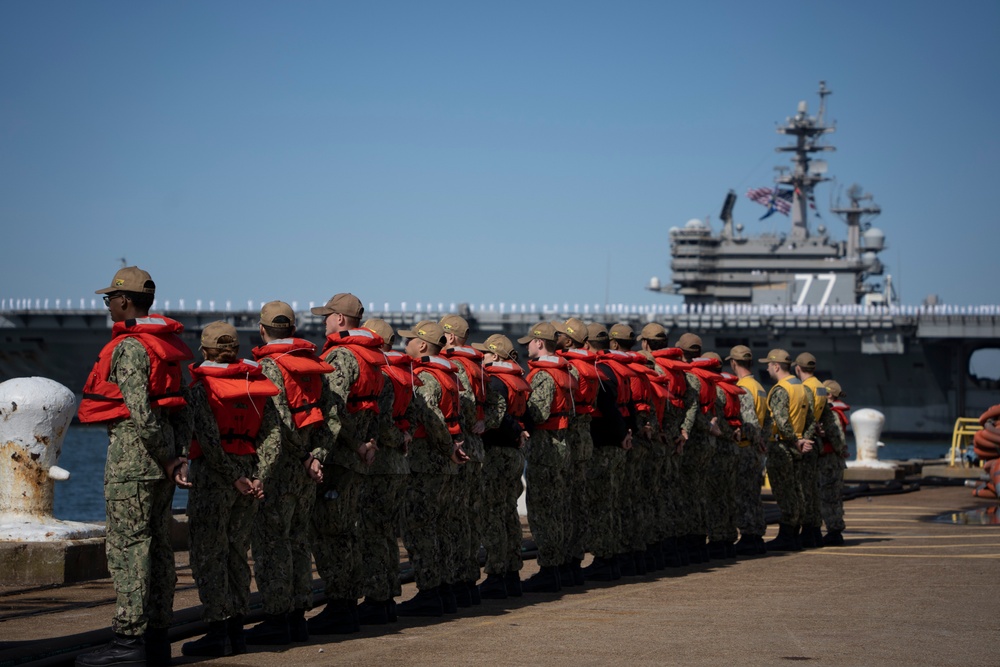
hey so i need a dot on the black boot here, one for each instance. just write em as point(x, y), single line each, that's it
point(626, 564)
point(671, 553)
point(373, 612)
point(546, 580)
point(337, 618)
point(493, 587)
point(833, 538)
point(298, 627)
point(474, 592)
point(602, 569)
point(807, 537)
point(122, 650)
point(448, 600)
point(157, 647)
point(640, 562)
point(426, 603)
point(566, 576)
point(463, 596)
point(215, 644)
point(717, 550)
point(786, 539)
point(237, 638)
point(747, 546)
point(512, 580)
point(761, 547)
point(272, 632)
point(818, 537)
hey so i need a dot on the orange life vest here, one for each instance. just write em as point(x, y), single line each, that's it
point(102, 399)
point(732, 412)
point(840, 409)
point(670, 361)
point(237, 394)
point(366, 346)
point(703, 369)
point(562, 402)
point(585, 363)
point(659, 391)
point(518, 390)
point(617, 361)
point(446, 373)
point(398, 369)
point(301, 371)
point(471, 360)
point(642, 388)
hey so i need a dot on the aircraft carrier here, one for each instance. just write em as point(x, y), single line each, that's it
point(802, 290)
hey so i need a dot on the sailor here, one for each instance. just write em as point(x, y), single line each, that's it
point(698, 432)
point(679, 398)
point(606, 473)
point(832, 462)
point(550, 406)
point(468, 485)
point(232, 416)
point(790, 404)
point(135, 388)
point(289, 471)
point(750, 466)
point(825, 420)
point(504, 438)
point(571, 338)
point(384, 487)
point(356, 383)
point(429, 519)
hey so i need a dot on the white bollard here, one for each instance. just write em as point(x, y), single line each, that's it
point(867, 425)
point(35, 414)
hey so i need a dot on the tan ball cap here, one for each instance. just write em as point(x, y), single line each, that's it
point(777, 356)
point(597, 331)
point(574, 328)
point(455, 325)
point(543, 330)
point(219, 335)
point(277, 314)
point(740, 353)
point(130, 279)
point(689, 343)
point(833, 387)
point(806, 361)
point(381, 327)
point(343, 304)
point(622, 331)
point(426, 330)
point(498, 344)
point(653, 331)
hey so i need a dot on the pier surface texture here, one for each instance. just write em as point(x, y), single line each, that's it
point(904, 591)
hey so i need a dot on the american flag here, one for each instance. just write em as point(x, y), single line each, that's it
point(779, 200)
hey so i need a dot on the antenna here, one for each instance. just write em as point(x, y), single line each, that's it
point(124, 263)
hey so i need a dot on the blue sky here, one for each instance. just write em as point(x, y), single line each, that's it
point(454, 151)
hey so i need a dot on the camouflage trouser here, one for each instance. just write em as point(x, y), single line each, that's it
point(831, 490)
point(783, 472)
point(502, 486)
point(140, 556)
point(282, 562)
point(634, 497)
point(220, 519)
point(547, 511)
point(581, 449)
point(380, 509)
point(670, 485)
point(721, 485)
point(334, 532)
point(810, 489)
point(749, 478)
point(423, 521)
point(693, 495)
point(604, 475)
point(468, 487)
point(652, 474)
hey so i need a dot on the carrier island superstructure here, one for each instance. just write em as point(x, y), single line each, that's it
point(801, 291)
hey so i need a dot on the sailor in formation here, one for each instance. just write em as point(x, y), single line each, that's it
point(643, 454)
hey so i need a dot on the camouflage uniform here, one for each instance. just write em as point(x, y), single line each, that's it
point(831, 477)
point(635, 495)
point(670, 503)
point(280, 536)
point(693, 495)
point(581, 450)
point(502, 486)
point(750, 471)
point(138, 497)
point(548, 462)
point(606, 472)
point(467, 488)
point(220, 518)
point(382, 495)
point(784, 461)
point(721, 480)
point(335, 516)
point(425, 515)
point(811, 462)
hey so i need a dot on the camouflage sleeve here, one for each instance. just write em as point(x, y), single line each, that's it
point(690, 402)
point(130, 371)
point(720, 411)
point(831, 428)
point(270, 433)
point(389, 434)
point(543, 392)
point(323, 436)
point(495, 407)
point(206, 432)
point(269, 440)
point(809, 430)
point(751, 429)
point(182, 422)
point(426, 405)
point(778, 405)
point(467, 399)
point(345, 373)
